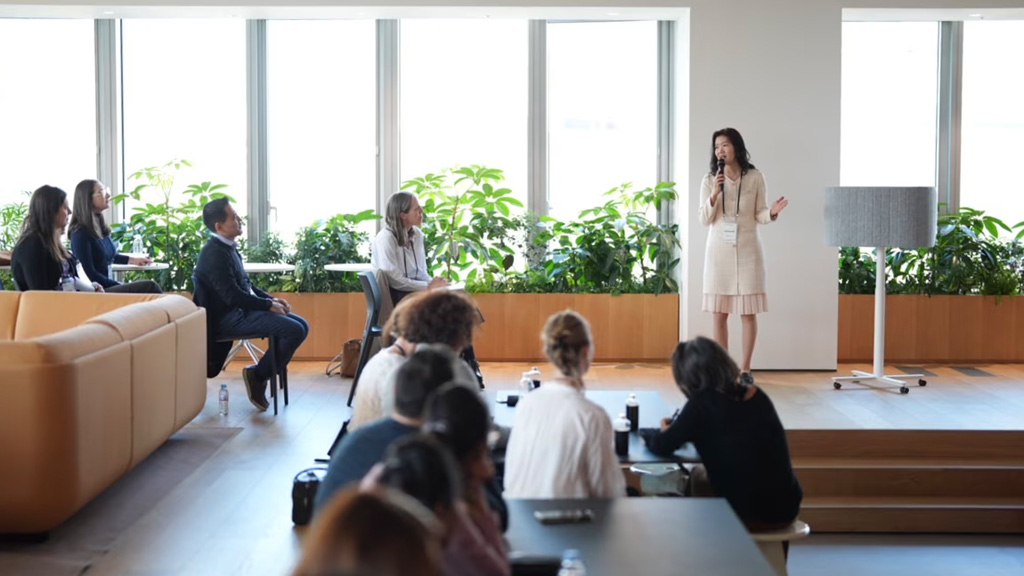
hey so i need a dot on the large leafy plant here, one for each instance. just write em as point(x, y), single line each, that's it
point(970, 256)
point(334, 240)
point(172, 230)
point(468, 222)
point(11, 218)
point(614, 247)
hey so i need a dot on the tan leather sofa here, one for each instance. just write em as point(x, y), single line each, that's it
point(90, 384)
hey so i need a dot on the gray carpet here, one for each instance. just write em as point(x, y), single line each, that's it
point(89, 534)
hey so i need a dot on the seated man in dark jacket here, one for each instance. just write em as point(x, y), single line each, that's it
point(234, 307)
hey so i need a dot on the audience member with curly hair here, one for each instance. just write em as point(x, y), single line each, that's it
point(437, 317)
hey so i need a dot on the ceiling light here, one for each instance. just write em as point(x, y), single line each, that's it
point(108, 12)
point(613, 13)
point(975, 15)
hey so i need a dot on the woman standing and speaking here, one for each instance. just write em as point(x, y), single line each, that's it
point(732, 204)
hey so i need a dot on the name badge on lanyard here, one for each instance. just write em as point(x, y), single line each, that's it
point(729, 228)
point(729, 233)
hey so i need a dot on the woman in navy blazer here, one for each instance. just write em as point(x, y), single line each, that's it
point(91, 243)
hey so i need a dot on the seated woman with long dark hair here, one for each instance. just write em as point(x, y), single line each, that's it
point(39, 260)
point(742, 445)
point(91, 243)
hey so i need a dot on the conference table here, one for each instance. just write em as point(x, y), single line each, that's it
point(652, 410)
point(636, 536)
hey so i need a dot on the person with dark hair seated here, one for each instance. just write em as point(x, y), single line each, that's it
point(734, 426)
point(236, 307)
point(457, 417)
point(424, 468)
point(422, 374)
point(91, 244)
point(39, 260)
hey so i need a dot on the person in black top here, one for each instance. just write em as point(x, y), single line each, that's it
point(91, 244)
point(39, 260)
point(235, 307)
point(738, 434)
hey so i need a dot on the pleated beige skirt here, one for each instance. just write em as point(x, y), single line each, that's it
point(735, 304)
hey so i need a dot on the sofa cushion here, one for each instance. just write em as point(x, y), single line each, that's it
point(42, 312)
point(8, 314)
point(177, 307)
point(60, 348)
point(133, 321)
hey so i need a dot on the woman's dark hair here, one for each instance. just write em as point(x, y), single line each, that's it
point(700, 366)
point(441, 317)
point(738, 146)
point(457, 417)
point(423, 468)
point(43, 207)
point(83, 216)
point(419, 377)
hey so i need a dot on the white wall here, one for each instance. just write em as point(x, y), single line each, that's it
point(774, 77)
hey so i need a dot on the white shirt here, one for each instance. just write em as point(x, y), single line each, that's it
point(562, 446)
point(405, 267)
point(376, 386)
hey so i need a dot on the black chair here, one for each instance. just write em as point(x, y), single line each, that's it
point(373, 330)
point(278, 376)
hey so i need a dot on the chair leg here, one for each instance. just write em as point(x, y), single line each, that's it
point(284, 383)
point(364, 356)
point(272, 350)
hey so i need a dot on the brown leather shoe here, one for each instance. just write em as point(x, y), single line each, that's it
point(255, 388)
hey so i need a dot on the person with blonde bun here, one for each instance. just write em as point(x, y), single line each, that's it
point(562, 444)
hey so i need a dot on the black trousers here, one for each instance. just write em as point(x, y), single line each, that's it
point(140, 287)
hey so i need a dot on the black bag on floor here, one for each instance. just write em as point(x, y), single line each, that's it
point(304, 489)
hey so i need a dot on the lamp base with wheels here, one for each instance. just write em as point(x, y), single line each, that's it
point(859, 377)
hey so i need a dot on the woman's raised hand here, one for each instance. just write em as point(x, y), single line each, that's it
point(778, 207)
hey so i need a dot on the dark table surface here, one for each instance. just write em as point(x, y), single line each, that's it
point(641, 536)
point(652, 410)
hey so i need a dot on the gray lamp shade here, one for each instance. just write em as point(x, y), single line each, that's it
point(892, 217)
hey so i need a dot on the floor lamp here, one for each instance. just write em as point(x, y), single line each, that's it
point(883, 217)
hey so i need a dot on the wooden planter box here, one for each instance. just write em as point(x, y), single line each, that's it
point(934, 328)
point(630, 327)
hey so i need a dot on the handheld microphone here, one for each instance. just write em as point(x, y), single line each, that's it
point(721, 168)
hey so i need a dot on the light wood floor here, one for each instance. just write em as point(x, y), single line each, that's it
point(233, 514)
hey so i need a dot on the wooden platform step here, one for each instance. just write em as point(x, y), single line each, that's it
point(912, 445)
point(917, 515)
point(911, 481)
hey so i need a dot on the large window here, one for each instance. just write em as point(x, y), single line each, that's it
point(47, 105)
point(184, 97)
point(889, 95)
point(992, 129)
point(602, 110)
point(464, 97)
point(321, 84)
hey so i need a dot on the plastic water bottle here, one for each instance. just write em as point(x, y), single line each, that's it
point(67, 283)
point(525, 384)
point(223, 399)
point(572, 564)
point(633, 412)
point(138, 249)
point(534, 375)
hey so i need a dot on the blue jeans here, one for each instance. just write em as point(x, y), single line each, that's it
point(289, 329)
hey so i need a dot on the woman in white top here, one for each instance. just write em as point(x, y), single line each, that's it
point(732, 204)
point(562, 445)
point(398, 249)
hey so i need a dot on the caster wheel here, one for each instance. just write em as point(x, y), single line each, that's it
point(837, 385)
point(904, 390)
point(922, 382)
